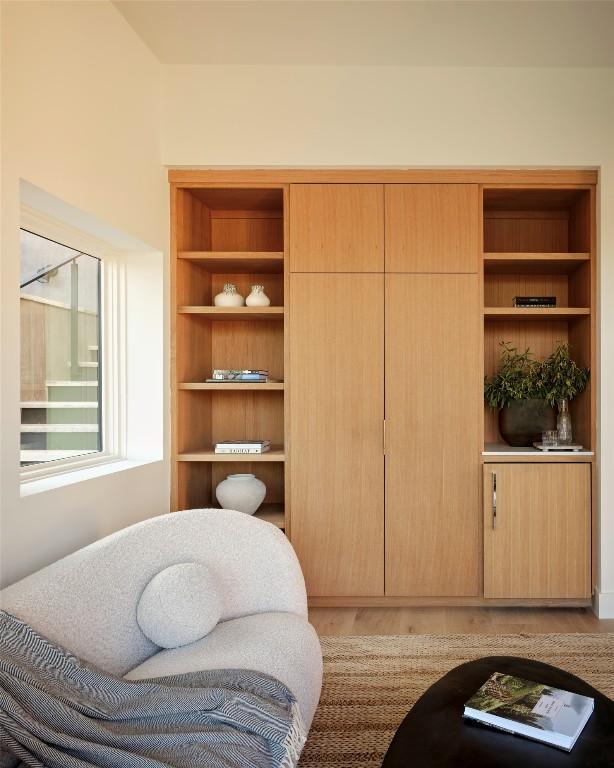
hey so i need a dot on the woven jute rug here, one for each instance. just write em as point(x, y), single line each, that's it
point(370, 683)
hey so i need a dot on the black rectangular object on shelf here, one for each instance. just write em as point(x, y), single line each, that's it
point(534, 301)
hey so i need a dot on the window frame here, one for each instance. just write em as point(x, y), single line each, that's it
point(112, 352)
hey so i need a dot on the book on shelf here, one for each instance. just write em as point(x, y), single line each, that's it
point(220, 374)
point(243, 446)
point(529, 709)
point(534, 301)
point(241, 380)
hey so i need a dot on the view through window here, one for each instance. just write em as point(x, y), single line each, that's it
point(60, 352)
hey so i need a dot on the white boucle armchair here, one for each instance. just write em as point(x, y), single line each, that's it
point(87, 602)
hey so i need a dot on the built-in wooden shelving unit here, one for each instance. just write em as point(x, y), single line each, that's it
point(228, 234)
point(540, 241)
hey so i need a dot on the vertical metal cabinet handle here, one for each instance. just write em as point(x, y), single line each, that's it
point(494, 500)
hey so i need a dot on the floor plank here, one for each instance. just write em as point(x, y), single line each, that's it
point(403, 621)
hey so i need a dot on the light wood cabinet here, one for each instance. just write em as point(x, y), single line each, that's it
point(336, 424)
point(432, 228)
point(337, 228)
point(537, 530)
point(433, 403)
point(391, 292)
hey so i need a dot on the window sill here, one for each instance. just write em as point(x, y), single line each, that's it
point(70, 477)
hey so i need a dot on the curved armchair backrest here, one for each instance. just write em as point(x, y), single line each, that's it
point(87, 601)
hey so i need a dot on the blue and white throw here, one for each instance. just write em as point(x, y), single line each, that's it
point(58, 712)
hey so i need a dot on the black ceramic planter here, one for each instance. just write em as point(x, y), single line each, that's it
point(522, 422)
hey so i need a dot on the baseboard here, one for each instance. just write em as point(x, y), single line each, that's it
point(449, 602)
point(603, 604)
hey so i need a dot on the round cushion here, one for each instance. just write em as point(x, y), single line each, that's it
point(179, 605)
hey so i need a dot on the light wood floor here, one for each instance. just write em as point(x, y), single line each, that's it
point(402, 621)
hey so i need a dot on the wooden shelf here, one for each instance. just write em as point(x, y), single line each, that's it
point(275, 454)
point(538, 313)
point(553, 263)
point(231, 387)
point(272, 513)
point(234, 313)
point(231, 262)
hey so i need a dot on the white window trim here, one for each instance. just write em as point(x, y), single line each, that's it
point(113, 344)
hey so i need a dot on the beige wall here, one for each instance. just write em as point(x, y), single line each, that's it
point(80, 119)
point(402, 116)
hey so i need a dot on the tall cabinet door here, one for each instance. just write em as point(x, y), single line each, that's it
point(537, 530)
point(336, 429)
point(432, 227)
point(433, 402)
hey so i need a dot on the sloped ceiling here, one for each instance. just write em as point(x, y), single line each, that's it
point(544, 33)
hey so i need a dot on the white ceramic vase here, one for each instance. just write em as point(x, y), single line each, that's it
point(257, 298)
point(229, 297)
point(245, 493)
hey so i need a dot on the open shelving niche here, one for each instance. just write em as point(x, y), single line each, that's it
point(540, 241)
point(220, 235)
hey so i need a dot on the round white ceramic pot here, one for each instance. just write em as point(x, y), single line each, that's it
point(229, 297)
point(257, 298)
point(244, 492)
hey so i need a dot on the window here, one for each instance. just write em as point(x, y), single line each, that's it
point(61, 398)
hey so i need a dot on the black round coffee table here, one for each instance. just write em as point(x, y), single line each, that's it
point(434, 734)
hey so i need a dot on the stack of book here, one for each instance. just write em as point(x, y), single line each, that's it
point(228, 375)
point(534, 301)
point(530, 709)
point(243, 446)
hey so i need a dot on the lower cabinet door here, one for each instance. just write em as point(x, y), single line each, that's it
point(537, 530)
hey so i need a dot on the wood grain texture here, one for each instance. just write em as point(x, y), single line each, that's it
point(336, 417)
point(257, 344)
point(520, 232)
point(432, 228)
point(500, 289)
point(540, 547)
point(248, 234)
point(337, 228)
point(531, 263)
point(455, 620)
point(433, 401)
point(236, 261)
point(536, 313)
point(276, 176)
point(275, 454)
point(247, 416)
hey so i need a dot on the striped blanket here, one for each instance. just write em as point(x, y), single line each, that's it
point(59, 712)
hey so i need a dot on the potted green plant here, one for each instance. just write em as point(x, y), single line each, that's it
point(563, 379)
point(524, 391)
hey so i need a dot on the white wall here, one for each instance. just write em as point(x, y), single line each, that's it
point(81, 116)
point(402, 116)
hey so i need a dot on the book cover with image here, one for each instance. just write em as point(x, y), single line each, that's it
point(530, 709)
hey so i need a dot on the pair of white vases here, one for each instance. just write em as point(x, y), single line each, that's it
point(243, 492)
point(229, 297)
